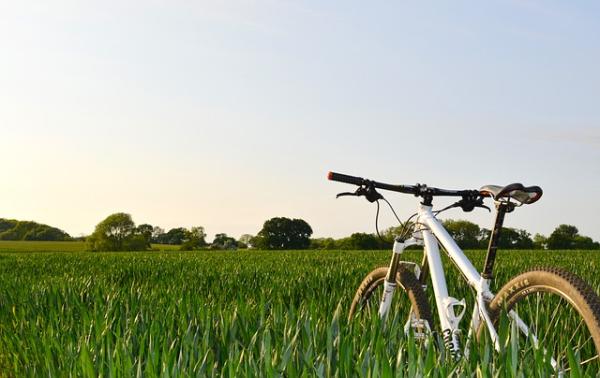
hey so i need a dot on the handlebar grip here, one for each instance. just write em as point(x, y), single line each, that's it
point(345, 178)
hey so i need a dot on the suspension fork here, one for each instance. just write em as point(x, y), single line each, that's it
point(389, 285)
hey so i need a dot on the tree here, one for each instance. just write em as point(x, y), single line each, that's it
point(11, 229)
point(510, 238)
point(175, 236)
point(585, 242)
point(7, 224)
point(391, 233)
point(540, 241)
point(567, 236)
point(245, 241)
point(193, 239)
point(360, 240)
point(283, 233)
point(563, 237)
point(46, 233)
point(116, 233)
point(466, 234)
point(145, 230)
point(323, 243)
point(222, 241)
point(156, 234)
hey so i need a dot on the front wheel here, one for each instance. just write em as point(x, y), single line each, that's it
point(409, 303)
point(561, 313)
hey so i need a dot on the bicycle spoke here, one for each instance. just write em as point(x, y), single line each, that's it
point(562, 330)
point(581, 345)
point(582, 363)
point(551, 322)
point(589, 360)
point(575, 333)
point(537, 310)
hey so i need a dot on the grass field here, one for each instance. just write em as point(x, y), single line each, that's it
point(61, 246)
point(36, 246)
point(243, 313)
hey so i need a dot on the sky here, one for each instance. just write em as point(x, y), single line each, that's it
point(224, 114)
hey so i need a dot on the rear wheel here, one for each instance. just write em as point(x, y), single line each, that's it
point(409, 303)
point(561, 310)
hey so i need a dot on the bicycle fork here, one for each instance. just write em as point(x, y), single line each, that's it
point(389, 285)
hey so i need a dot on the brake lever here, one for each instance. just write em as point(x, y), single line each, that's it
point(368, 191)
point(346, 194)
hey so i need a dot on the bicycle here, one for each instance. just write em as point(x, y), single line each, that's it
point(556, 313)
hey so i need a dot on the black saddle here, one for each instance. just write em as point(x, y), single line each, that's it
point(516, 191)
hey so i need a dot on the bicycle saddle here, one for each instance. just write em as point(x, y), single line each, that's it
point(516, 191)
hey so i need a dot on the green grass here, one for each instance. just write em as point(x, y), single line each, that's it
point(37, 246)
point(60, 246)
point(245, 313)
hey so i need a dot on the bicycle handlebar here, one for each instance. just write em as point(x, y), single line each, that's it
point(417, 190)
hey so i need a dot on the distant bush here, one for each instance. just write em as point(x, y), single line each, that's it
point(175, 236)
point(361, 240)
point(11, 229)
point(222, 241)
point(567, 236)
point(356, 241)
point(283, 233)
point(469, 235)
point(193, 239)
point(117, 233)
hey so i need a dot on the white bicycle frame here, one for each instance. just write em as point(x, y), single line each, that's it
point(432, 232)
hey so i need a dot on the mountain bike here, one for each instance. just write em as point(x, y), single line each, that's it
point(554, 313)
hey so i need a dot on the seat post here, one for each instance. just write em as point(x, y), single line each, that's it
point(502, 208)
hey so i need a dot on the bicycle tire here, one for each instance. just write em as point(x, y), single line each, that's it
point(553, 281)
point(405, 280)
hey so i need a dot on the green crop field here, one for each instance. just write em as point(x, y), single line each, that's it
point(242, 313)
point(61, 246)
point(36, 246)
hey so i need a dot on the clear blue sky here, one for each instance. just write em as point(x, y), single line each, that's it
point(224, 114)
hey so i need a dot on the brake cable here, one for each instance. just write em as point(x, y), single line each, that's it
point(372, 195)
point(403, 230)
point(467, 203)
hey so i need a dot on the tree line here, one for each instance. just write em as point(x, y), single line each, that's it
point(11, 229)
point(469, 235)
point(118, 232)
